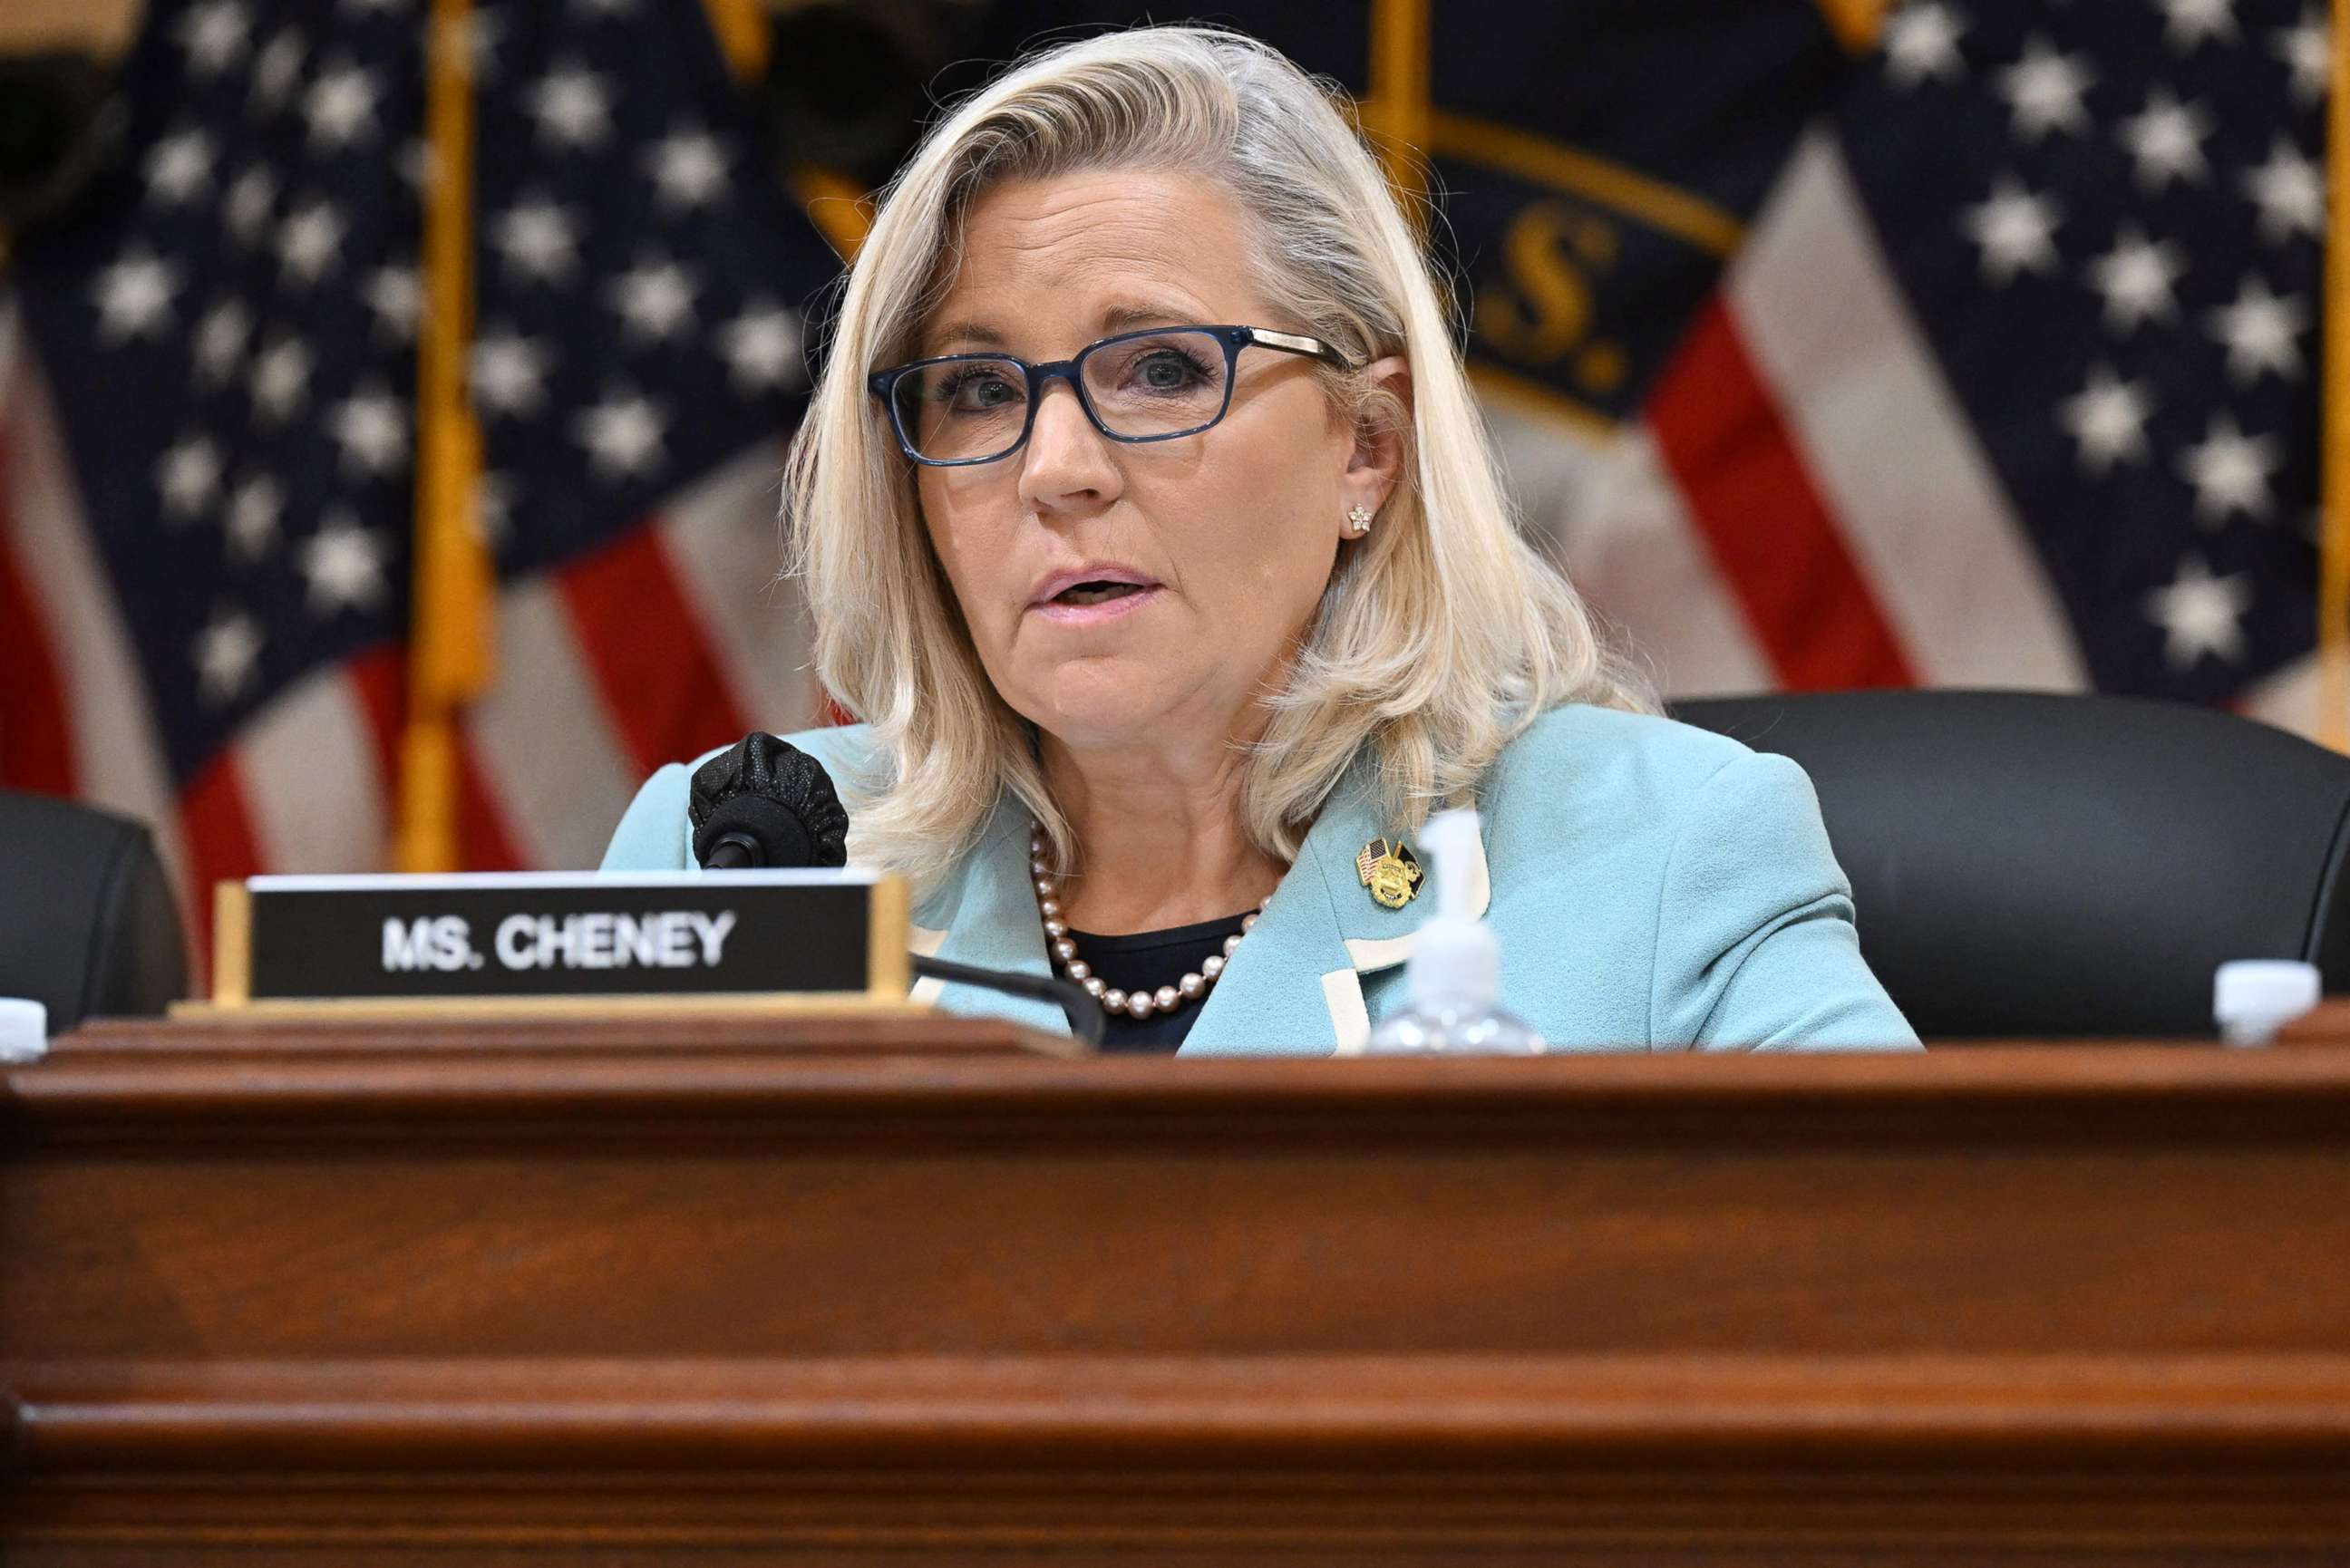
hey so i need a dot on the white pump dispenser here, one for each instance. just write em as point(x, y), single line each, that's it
point(1453, 978)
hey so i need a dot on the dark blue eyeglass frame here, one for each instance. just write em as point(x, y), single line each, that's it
point(883, 384)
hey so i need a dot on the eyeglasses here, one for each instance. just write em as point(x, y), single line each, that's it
point(1152, 385)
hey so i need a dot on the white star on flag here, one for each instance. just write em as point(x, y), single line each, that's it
point(2166, 140)
point(2135, 279)
point(341, 107)
point(2044, 91)
point(280, 377)
point(396, 298)
point(278, 69)
point(221, 337)
point(189, 477)
point(654, 299)
point(2290, 193)
point(688, 169)
point(622, 435)
point(178, 167)
point(2306, 48)
point(509, 372)
point(2261, 332)
point(225, 652)
point(251, 198)
point(134, 297)
point(2015, 229)
point(1921, 44)
point(309, 241)
point(2200, 615)
point(371, 426)
point(485, 31)
point(213, 36)
point(539, 240)
point(573, 108)
point(2108, 419)
point(253, 514)
point(344, 563)
point(2194, 22)
point(2229, 471)
point(762, 347)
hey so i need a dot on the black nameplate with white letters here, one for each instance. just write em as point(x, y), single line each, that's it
point(570, 935)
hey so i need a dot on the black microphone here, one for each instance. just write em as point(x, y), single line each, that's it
point(763, 802)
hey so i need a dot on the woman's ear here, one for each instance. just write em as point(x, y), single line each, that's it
point(1376, 465)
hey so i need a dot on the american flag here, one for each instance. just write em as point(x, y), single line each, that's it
point(208, 425)
point(2011, 381)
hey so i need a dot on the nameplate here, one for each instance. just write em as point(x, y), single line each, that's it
point(794, 938)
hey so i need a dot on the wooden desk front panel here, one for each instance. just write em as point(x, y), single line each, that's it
point(650, 1304)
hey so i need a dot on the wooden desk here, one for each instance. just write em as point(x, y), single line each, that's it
point(595, 1296)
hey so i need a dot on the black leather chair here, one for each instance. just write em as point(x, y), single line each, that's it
point(2034, 864)
point(88, 925)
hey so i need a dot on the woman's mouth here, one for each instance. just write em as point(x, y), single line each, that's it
point(1095, 593)
point(1083, 604)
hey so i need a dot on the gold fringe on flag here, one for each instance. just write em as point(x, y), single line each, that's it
point(2334, 475)
point(834, 204)
point(742, 36)
point(1855, 22)
point(451, 630)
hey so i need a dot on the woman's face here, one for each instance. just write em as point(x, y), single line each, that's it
point(1222, 541)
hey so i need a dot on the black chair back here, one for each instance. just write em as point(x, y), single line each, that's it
point(88, 925)
point(2027, 863)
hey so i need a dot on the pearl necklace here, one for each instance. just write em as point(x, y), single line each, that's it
point(1140, 1004)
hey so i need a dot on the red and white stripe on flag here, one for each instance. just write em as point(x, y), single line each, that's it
point(1804, 393)
point(673, 639)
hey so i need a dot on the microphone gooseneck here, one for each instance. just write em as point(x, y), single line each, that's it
point(1086, 1021)
point(765, 803)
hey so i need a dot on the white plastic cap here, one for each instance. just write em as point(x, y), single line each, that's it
point(1455, 959)
point(1450, 840)
point(24, 1030)
point(2252, 999)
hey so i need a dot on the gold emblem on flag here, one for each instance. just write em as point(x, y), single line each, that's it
point(1391, 871)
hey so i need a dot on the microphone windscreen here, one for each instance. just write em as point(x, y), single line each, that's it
point(775, 791)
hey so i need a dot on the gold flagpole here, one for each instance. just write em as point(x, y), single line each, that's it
point(451, 630)
point(1397, 109)
point(2334, 486)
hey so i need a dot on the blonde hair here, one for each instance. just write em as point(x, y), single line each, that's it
point(1438, 638)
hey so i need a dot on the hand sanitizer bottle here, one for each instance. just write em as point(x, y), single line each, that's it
point(1454, 976)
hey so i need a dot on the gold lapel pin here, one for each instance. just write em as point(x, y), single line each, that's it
point(1391, 871)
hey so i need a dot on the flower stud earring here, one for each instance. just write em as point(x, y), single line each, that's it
point(1358, 522)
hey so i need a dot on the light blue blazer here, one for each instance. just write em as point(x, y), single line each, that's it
point(1654, 887)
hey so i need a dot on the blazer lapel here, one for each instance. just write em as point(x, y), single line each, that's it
point(1296, 981)
point(1292, 988)
point(1269, 999)
point(987, 917)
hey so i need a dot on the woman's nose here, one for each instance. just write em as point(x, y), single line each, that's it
point(1066, 464)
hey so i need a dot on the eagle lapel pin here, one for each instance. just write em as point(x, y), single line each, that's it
point(1391, 871)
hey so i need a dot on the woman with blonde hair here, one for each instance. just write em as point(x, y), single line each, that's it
point(1149, 527)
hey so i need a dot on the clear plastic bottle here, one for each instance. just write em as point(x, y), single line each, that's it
point(1453, 978)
